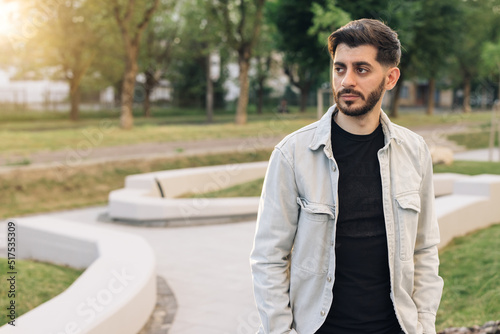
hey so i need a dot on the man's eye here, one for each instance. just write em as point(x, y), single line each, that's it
point(339, 69)
point(362, 70)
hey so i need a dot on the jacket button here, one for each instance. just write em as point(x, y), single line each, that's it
point(334, 168)
point(329, 279)
point(322, 313)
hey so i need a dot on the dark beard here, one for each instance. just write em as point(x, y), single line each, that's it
point(370, 103)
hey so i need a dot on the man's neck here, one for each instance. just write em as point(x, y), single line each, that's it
point(359, 125)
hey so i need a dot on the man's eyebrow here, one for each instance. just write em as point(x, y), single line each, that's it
point(363, 63)
point(357, 64)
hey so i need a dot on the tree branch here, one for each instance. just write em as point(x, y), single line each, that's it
point(128, 11)
point(241, 26)
point(147, 17)
point(257, 22)
point(226, 21)
point(119, 20)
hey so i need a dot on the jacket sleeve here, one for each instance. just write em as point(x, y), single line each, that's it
point(428, 286)
point(275, 233)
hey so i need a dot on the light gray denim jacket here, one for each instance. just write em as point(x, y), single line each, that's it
point(293, 258)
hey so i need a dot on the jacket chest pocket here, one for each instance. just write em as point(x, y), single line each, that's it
point(407, 213)
point(311, 250)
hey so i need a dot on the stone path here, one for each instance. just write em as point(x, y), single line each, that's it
point(206, 267)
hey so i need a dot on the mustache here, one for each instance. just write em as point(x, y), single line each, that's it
point(350, 92)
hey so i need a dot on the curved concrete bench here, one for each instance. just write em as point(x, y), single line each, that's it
point(474, 204)
point(115, 294)
point(444, 183)
point(151, 196)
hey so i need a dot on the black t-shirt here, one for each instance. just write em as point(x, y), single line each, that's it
point(361, 292)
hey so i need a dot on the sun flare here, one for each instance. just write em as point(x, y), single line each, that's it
point(8, 12)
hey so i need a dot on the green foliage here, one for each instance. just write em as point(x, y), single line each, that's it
point(479, 24)
point(306, 59)
point(433, 50)
point(491, 60)
point(78, 37)
point(471, 271)
point(370, 9)
point(36, 283)
point(293, 19)
point(327, 19)
point(198, 34)
point(491, 56)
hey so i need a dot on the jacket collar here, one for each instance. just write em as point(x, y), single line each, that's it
point(322, 135)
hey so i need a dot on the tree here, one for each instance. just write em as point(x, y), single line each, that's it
point(491, 59)
point(306, 59)
point(263, 60)
point(68, 45)
point(403, 17)
point(241, 23)
point(156, 52)
point(198, 41)
point(132, 19)
point(437, 24)
point(479, 25)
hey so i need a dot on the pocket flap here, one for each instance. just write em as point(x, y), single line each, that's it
point(316, 208)
point(409, 201)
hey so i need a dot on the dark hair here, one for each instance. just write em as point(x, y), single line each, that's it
point(368, 32)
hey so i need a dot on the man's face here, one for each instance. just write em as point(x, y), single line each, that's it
point(359, 81)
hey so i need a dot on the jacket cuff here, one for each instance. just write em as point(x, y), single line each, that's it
point(428, 322)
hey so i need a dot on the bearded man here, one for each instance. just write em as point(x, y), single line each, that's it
point(346, 237)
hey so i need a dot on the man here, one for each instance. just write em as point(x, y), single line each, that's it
point(346, 239)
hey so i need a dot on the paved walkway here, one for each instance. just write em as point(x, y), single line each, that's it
point(478, 155)
point(71, 157)
point(207, 267)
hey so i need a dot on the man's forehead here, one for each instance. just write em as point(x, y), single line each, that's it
point(362, 53)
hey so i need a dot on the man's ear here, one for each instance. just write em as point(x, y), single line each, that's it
point(392, 77)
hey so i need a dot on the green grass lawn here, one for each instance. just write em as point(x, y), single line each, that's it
point(37, 191)
point(22, 133)
point(29, 134)
point(474, 140)
point(247, 189)
point(470, 267)
point(36, 282)
point(469, 167)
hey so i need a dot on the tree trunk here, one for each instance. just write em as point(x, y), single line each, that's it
point(260, 97)
point(147, 101)
point(396, 99)
point(131, 68)
point(498, 97)
point(149, 86)
point(431, 96)
point(304, 96)
point(209, 94)
point(466, 103)
point(75, 95)
point(241, 111)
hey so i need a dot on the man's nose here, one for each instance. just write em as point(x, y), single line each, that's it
point(349, 79)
